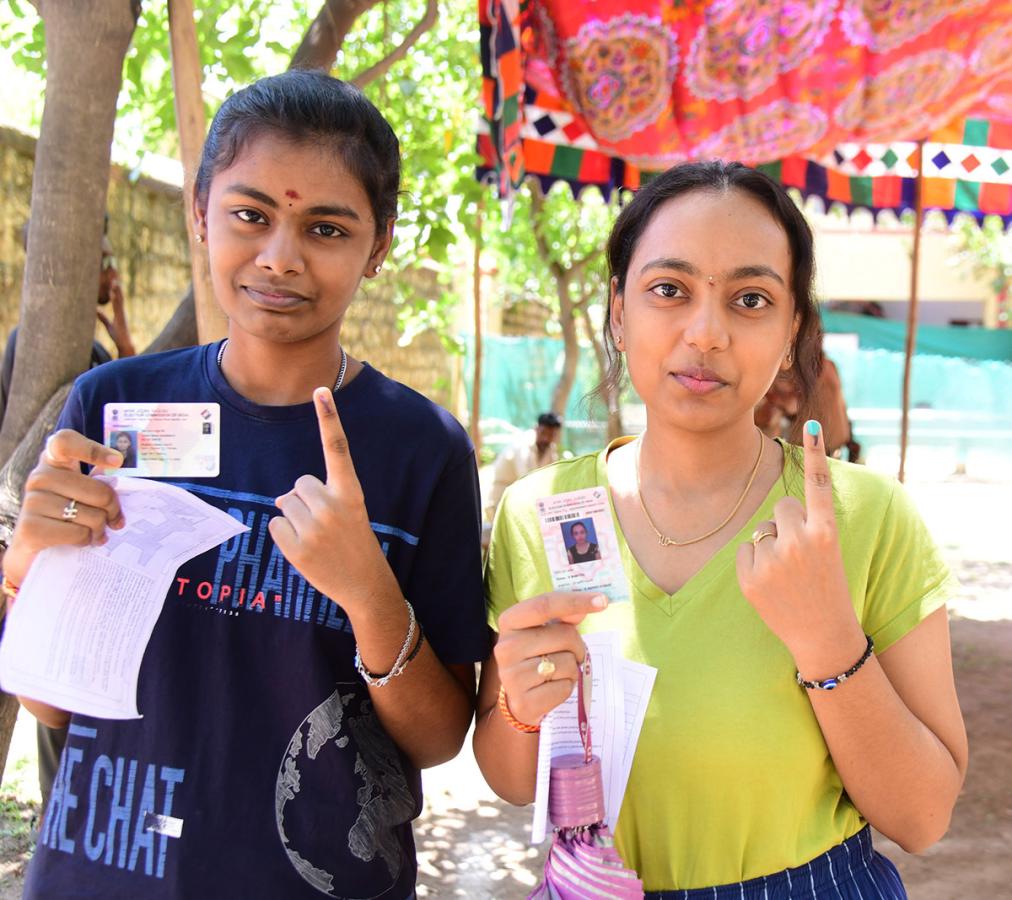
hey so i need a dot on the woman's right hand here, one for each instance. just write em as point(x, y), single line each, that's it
point(543, 626)
point(50, 487)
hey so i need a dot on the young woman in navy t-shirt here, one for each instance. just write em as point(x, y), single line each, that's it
point(301, 674)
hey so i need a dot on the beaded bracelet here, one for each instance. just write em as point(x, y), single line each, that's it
point(512, 720)
point(827, 684)
point(399, 664)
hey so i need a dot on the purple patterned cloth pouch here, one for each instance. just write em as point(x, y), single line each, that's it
point(582, 862)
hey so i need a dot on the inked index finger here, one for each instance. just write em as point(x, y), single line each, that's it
point(336, 452)
point(818, 483)
point(559, 606)
point(67, 449)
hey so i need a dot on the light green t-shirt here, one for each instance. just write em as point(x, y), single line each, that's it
point(732, 778)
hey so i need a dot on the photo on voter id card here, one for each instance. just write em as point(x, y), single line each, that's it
point(164, 440)
point(580, 537)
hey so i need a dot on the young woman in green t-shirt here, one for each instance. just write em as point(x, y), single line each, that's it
point(762, 575)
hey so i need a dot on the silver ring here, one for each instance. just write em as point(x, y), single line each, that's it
point(70, 511)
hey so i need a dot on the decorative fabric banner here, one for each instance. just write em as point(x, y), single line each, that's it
point(605, 92)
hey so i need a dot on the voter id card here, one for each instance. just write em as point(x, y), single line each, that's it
point(164, 440)
point(578, 531)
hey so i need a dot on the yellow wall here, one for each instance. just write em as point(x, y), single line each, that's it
point(861, 264)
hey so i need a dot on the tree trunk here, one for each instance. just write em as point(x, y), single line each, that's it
point(476, 286)
point(180, 330)
point(69, 189)
point(615, 427)
point(327, 32)
point(68, 202)
point(187, 78)
point(570, 343)
point(426, 22)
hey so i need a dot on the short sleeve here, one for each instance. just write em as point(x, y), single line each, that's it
point(72, 415)
point(445, 581)
point(908, 579)
point(515, 567)
point(500, 594)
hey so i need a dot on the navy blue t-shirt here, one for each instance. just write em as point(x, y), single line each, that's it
point(259, 768)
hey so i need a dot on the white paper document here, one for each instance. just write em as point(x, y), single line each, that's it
point(619, 696)
point(77, 634)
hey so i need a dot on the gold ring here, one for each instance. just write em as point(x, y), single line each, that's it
point(70, 511)
point(546, 668)
point(757, 536)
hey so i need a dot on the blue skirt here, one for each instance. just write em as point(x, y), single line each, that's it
point(852, 870)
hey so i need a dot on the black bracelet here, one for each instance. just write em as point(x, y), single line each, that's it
point(827, 684)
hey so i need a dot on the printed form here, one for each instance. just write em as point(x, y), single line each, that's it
point(76, 637)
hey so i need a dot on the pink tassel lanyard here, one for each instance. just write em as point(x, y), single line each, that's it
point(583, 862)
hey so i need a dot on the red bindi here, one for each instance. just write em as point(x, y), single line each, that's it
point(293, 194)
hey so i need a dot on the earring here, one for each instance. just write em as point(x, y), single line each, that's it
point(619, 342)
point(376, 269)
point(198, 237)
point(789, 359)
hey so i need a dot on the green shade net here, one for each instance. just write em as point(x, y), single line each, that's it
point(934, 340)
point(962, 405)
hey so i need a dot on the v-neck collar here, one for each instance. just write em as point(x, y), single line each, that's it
point(641, 584)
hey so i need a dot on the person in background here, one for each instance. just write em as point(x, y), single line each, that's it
point(777, 412)
point(531, 450)
point(110, 296)
point(300, 676)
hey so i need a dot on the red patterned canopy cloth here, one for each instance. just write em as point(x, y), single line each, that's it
point(830, 96)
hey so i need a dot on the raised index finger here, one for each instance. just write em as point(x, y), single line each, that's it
point(336, 452)
point(818, 484)
point(558, 606)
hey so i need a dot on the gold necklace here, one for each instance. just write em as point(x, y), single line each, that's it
point(663, 539)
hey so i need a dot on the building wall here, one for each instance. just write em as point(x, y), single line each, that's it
point(857, 263)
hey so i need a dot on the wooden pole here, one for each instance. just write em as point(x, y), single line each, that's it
point(476, 375)
point(189, 101)
point(912, 307)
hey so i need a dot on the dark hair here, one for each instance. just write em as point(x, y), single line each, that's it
point(549, 420)
point(721, 177)
point(309, 107)
point(580, 523)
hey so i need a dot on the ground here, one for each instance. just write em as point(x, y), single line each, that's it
point(472, 845)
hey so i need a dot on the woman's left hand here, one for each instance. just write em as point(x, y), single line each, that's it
point(324, 528)
point(792, 571)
